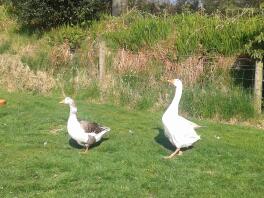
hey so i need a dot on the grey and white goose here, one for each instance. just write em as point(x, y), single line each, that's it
point(83, 132)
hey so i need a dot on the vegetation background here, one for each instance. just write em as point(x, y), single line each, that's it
point(55, 45)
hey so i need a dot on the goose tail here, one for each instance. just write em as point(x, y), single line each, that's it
point(99, 136)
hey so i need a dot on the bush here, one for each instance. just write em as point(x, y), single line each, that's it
point(73, 34)
point(46, 13)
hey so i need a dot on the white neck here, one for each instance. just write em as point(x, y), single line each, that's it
point(176, 100)
point(73, 110)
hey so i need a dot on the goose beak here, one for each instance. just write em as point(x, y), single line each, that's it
point(171, 81)
point(61, 102)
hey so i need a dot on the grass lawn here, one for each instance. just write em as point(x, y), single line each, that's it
point(38, 160)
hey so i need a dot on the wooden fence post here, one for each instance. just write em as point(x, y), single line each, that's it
point(102, 49)
point(119, 7)
point(258, 86)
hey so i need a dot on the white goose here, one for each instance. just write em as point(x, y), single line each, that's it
point(177, 129)
point(83, 132)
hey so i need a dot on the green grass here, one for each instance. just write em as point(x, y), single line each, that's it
point(188, 32)
point(211, 102)
point(5, 46)
point(128, 163)
point(145, 32)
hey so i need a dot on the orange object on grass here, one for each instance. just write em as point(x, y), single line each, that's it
point(2, 102)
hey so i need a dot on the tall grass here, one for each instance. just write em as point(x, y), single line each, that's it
point(145, 32)
point(5, 46)
point(213, 33)
point(209, 102)
point(189, 33)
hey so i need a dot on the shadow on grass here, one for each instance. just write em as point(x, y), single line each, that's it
point(74, 144)
point(163, 141)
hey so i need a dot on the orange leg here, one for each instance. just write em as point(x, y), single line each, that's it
point(177, 151)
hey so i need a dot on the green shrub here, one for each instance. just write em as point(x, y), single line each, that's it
point(73, 34)
point(46, 13)
point(255, 47)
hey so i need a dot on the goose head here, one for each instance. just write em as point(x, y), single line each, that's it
point(71, 103)
point(68, 101)
point(176, 82)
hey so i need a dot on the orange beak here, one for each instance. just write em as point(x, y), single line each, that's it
point(171, 81)
point(61, 102)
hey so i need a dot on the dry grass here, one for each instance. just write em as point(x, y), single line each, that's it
point(5, 22)
point(126, 61)
point(189, 69)
point(60, 56)
point(28, 50)
point(17, 77)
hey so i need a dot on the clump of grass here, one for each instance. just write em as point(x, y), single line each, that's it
point(5, 46)
point(210, 102)
point(38, 61)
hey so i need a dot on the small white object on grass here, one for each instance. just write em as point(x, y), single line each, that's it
point(217, 137)
point(130, 131)
point(45, 143)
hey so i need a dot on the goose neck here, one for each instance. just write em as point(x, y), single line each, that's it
point(176, 100)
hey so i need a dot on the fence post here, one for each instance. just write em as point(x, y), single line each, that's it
point(258, 86)
point(119, 7)
point(101, 62)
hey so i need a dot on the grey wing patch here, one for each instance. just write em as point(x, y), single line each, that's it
point(90, 127)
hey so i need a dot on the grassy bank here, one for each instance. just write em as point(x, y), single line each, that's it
point(143, 51)
point(37, 158)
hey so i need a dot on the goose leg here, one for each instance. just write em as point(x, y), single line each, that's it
point(178, 150)
point(86, 149)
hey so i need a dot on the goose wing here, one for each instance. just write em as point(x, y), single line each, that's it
point(91, 127)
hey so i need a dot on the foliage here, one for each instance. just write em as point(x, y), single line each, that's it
point(46, 13)
point(74, 35)
point(145, 32)
point(189, 32)
point(256, 47)
point(225, 36)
